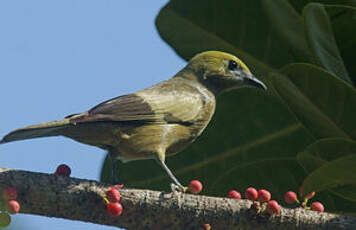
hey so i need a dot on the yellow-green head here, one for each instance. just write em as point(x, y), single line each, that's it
point(221, 71)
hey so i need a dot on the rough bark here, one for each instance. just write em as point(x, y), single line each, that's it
point(78, 199)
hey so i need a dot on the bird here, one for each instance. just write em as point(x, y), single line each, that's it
point(155, 122)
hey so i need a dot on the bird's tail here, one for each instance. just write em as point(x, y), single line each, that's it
point(53, 128)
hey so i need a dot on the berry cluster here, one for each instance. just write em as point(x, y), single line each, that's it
point(291, 198)
point(272, 206)
point(9, 205)
point(112, 198)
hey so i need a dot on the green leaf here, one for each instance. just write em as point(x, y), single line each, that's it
point(324, 151)
point(239, 27)
point(322, 102)
point(290, 25)
point(252, 140)
point(343, 21)
point(333, 174)
point(300, 4)
point(321, 40)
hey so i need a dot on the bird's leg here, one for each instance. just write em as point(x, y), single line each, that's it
point(114, 178)
point(161, 160)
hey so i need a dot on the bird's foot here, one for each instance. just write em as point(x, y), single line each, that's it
point(178, 188)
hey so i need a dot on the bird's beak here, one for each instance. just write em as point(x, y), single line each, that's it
point(249, 79)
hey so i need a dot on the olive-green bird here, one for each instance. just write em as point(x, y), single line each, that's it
point(154, 122)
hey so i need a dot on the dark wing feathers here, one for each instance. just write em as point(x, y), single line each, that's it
point(172, 101)
point(129, 104)
point(128, 107)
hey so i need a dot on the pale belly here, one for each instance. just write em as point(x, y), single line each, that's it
point(143, 142)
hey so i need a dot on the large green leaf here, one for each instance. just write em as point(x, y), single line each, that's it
point(253, 139)
point(321, 101)
point(333, 174)
point(322, 41)
point(321, 153)
point(290, 25)
point(300, 4)
point(240, 27)
point(343, 21)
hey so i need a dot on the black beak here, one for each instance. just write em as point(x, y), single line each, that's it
point(255, 82)
point(249, 79)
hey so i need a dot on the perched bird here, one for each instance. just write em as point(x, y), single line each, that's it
point(154, 122)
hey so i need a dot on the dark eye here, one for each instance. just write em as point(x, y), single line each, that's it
point(232, 65)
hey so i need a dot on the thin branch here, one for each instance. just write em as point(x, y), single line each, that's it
point(78, 199)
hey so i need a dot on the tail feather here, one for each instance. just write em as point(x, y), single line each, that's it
point(52, 128)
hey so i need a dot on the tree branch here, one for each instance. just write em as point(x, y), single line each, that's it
point(78, 199)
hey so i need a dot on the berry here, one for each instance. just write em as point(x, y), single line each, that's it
point(310, 195)
point(12, 206)
point(206, 227)
point(251, 194)
point(114, 209)
point(113, 195)
point(317, 206)
point(290, 197)
point(5, 219)
point(195, 186)
point(63, 170)
point(233, 194)
point(9, 193)
point(273, 207)
point(263, 195)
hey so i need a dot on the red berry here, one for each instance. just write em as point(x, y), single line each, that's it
point(251, 194)
point(263, 195)
point(195, 186)
point(310, 195)
point(233, 194)
point(113, 195)
point(290, 197)
point(5, 219)
point(317, 206)
point(9, 193)
point(273, 207)
point(114, 209)
point(206, 227)
point(63, 170)
point(12, 206)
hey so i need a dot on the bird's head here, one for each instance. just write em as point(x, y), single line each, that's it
point(220, 71)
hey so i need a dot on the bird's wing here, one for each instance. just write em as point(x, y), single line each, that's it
point(167, 102)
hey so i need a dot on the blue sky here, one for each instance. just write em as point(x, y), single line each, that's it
point(63, 57)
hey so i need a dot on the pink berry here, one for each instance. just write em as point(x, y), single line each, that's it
point(317, 206)
point(273, 207)
point(310, 195)
point(207, 227)
point(233, 194)
point(114, 209)
point(113, 195)
point(290, 197)
point(195, 186)
point(63, 170)
point(9, 193)
point(263, 195)
point(12, 206)
point(5, 219)
point(251, 194)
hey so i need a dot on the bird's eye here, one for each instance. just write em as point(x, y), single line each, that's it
point(233, 65)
